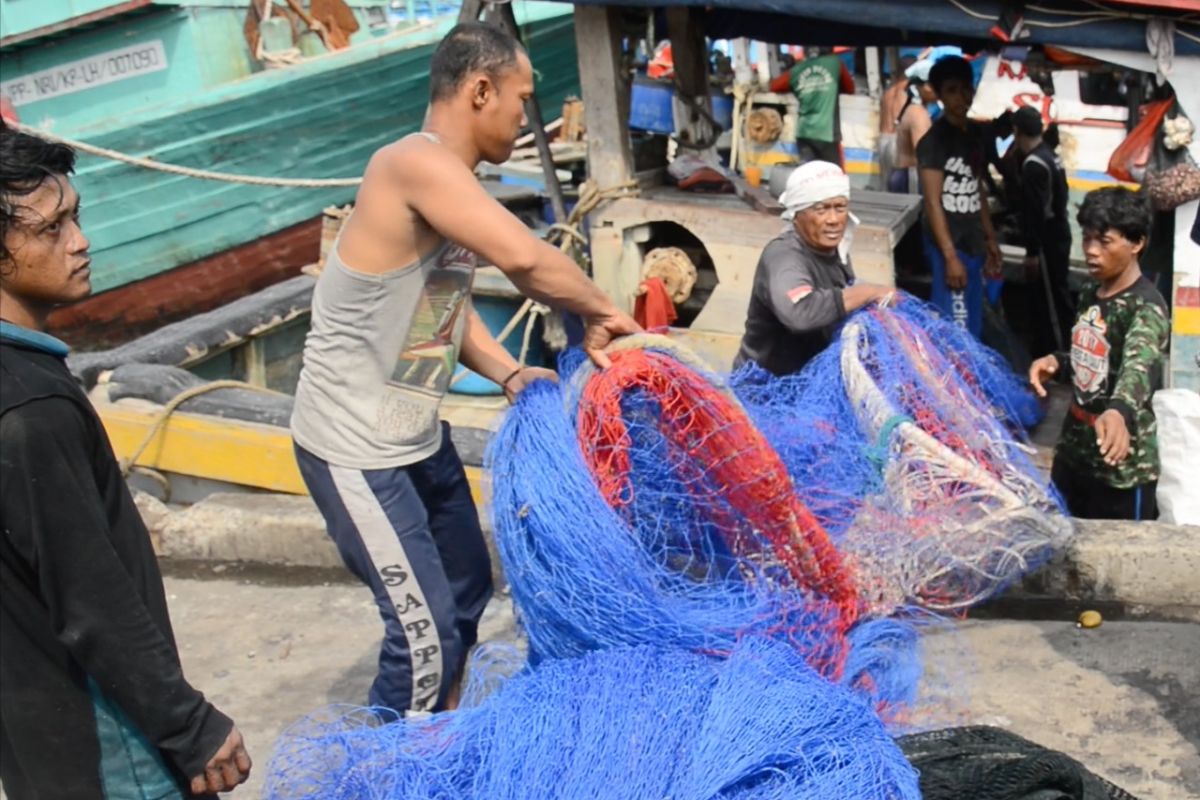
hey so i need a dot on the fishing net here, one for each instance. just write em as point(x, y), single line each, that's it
point(587, 576)
point(714, 575)
point(911, 455)
point(636, 723)
point(986, 763)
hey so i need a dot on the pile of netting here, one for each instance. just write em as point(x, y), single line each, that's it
point(634, 722)
point(905, 439)
point(704, 543)
point(715, 575)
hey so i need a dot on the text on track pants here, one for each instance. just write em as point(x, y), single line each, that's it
point(412, 535)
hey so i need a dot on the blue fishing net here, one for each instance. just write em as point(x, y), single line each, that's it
point(905, 438)
point(628, 722)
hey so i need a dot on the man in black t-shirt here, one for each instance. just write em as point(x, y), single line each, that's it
point(960, 243)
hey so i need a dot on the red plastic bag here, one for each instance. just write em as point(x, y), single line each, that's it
point(1128, 161)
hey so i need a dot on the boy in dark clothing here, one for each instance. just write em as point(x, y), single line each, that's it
point(1045, 229)
point(1106, 462)
point(93, 702)
point(960, 243)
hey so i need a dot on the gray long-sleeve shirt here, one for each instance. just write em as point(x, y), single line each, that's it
point(795, 304)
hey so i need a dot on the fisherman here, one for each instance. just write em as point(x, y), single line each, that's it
point(912, 123)
point(893, 99)
point(1045, 229)
point(960, 242)
point(93, 701)
point(804, 284)
point(1106, 461)
point(816, 81)
point(391, 318)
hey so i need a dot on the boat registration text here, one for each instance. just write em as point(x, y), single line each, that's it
point(86, 73)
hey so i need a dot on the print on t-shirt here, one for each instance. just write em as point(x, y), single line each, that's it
point(960, 189)
point(1089, 355)
point(430, 353)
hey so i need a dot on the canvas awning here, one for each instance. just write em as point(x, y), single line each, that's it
point(1117, 24)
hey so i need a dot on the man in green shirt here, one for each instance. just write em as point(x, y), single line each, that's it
point(816, 82)
point(1106, 461)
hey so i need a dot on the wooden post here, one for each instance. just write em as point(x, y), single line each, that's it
point(534, 114)
point(874, 78)
point(892, 56)
point(693, 120)
point(774, 62)
point(470, 10)
point(741, 61)
point(605, 94)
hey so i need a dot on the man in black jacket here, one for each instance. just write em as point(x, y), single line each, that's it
point(93, 701)
point(1045, 229)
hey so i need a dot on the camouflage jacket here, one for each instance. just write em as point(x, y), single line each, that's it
point(1118, 347)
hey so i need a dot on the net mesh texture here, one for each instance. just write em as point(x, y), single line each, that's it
point(723, 579)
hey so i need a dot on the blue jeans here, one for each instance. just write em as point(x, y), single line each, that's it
point(412, 535)
point(963, 306)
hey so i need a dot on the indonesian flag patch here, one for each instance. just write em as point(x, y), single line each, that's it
point(799, 293)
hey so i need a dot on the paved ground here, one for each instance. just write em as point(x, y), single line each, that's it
point(1124, 698)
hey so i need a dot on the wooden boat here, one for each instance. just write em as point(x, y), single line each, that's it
point(208, 84)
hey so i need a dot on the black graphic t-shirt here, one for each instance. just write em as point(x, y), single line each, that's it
point(960, 156)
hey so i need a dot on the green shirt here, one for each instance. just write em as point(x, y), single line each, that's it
point(1118, 346)
point(815, 82)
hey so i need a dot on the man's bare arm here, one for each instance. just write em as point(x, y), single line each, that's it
point(449, 198)
point(483, 354)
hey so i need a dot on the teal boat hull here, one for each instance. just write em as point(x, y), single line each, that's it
point(321, 118)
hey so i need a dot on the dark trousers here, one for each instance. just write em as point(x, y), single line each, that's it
point(1057, 262)
point(412, 535)
point(1088, 497)
point(816, 150)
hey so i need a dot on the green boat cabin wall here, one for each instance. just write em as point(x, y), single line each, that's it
point(321, 118)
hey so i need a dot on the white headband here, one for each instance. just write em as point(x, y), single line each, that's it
point(813, 183)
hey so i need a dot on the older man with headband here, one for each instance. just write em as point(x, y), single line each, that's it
point(804, 284)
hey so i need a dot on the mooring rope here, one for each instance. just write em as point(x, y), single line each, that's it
point(188, 172)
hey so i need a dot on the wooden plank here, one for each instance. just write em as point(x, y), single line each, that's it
point(605, 94)
point(217, 449)
point(758, 197)
point(120, 315)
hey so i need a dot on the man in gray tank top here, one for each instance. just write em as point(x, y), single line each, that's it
point(391, 318)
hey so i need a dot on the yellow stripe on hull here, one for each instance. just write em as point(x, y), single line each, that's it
point(1186, 321)
point(230, 451)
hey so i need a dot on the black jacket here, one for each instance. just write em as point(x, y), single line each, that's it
point(92, 695)
point(1044, 222)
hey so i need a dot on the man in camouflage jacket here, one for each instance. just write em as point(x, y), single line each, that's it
point(1106, 461)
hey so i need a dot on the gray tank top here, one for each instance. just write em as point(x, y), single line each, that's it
point(379, 357)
